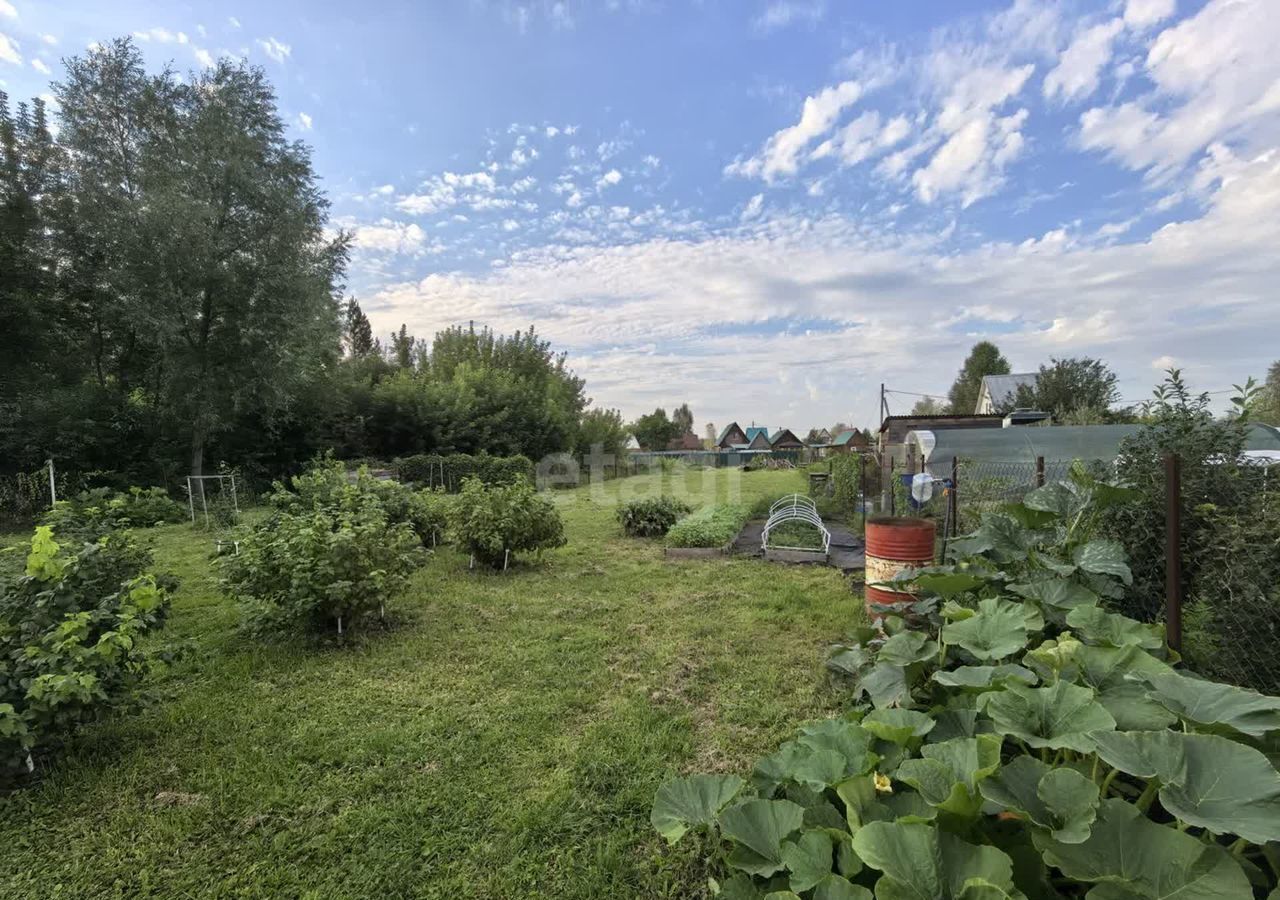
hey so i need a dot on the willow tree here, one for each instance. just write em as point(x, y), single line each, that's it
point(203, 229)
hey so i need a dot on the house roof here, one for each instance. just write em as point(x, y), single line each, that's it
point(843, 438)
point(942, 419)
point(725, 433)
point(777, 436)
point(757, 429)
point(1004, 388)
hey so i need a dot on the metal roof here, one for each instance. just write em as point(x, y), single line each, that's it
point(843, 438)
point(754, 430)
point(1004, 388)
point(725, 432)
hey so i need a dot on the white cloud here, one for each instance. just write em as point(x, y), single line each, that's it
point(160, 36)
point(1076, 75)
point(1143, 13)
point(976, 143)
point(9, 50)
point(233, 22)
point(49, 39)
point(7, 10)
point(387, 236)
point(448, 190)
point(384, 190)
point(304, 121)
point(510, 225)
point(753, 208)
point(1125, 302)
point(204, 57)
point(782, 13)
point(781, 154)
point(277, 50)
point(41, 66)
point(551, 131)
point(608, 179)
point(1215, 77)
point(574, 200)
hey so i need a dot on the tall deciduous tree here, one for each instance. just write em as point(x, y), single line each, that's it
point(217, 287)
point(654, 430)
point(682, 418)
point(1070, 387)
point(984, 359)
point(603, 428)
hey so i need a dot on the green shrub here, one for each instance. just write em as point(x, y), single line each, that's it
point(651, 516)
point(92, 513)
point(450, 471)
point(1012, 739)
point(327, 485)
point(492, 521)
point(70, 628)
point(711, 526)
point(330, 565)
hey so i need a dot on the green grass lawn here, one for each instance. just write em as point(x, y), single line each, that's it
point(503, 740)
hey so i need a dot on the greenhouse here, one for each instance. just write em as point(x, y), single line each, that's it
point(1059, 443)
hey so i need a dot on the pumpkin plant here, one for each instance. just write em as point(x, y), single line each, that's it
point(1010, 738)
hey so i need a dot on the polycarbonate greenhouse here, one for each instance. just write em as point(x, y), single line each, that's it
point(1057, 444)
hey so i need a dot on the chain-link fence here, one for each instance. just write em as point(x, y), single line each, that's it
point(1203, 543)
point(1220, 578)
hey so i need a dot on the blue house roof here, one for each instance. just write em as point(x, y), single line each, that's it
point(757, 429)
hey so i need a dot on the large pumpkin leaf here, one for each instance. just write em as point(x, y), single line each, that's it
point(844, 737)
point(1060, 716)
point(954, 723)
point(759, 827)
point(983, 678)
point(1133, 857)
point(834, 887)
point(1000, 537)
point(685, 803)
point(799, 763)
point(1206, 780)
point(808, 859)
point(1060, 800)
point(948, 584)
point(907, 647)
point(1107, 671)
point(1104, 557)
point(1097, 626)
point(999, 629)
point(919, 861)
point(1211, 703)
point(899, 726)
point(947, 774)
point(885, 685)
point(1057, 592)
point(739, 887)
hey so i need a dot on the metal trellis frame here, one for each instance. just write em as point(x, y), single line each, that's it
point(795, 508)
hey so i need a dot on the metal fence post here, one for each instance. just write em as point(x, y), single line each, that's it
point(1039, 471)
point(953, 499)
point(1173, 550)
point(53, 486)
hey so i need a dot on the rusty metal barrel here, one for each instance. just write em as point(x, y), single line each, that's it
point(895, 543)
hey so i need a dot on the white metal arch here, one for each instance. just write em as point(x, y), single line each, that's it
point(795, 508)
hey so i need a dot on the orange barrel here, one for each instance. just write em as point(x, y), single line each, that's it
point(895, 543)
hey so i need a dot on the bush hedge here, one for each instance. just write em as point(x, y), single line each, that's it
point(711, 526)
point(70, 630)
point(651, 516)
point(450, 471)
point(91, 513)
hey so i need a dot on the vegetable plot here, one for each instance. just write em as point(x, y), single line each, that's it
point(1014, 739)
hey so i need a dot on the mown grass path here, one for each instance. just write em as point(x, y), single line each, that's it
point(504, 740)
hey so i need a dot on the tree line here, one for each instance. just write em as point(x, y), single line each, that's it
point(172, 298)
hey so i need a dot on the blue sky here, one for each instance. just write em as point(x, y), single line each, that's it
point(765, 208)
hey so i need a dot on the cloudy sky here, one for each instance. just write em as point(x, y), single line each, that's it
point(768, 207)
